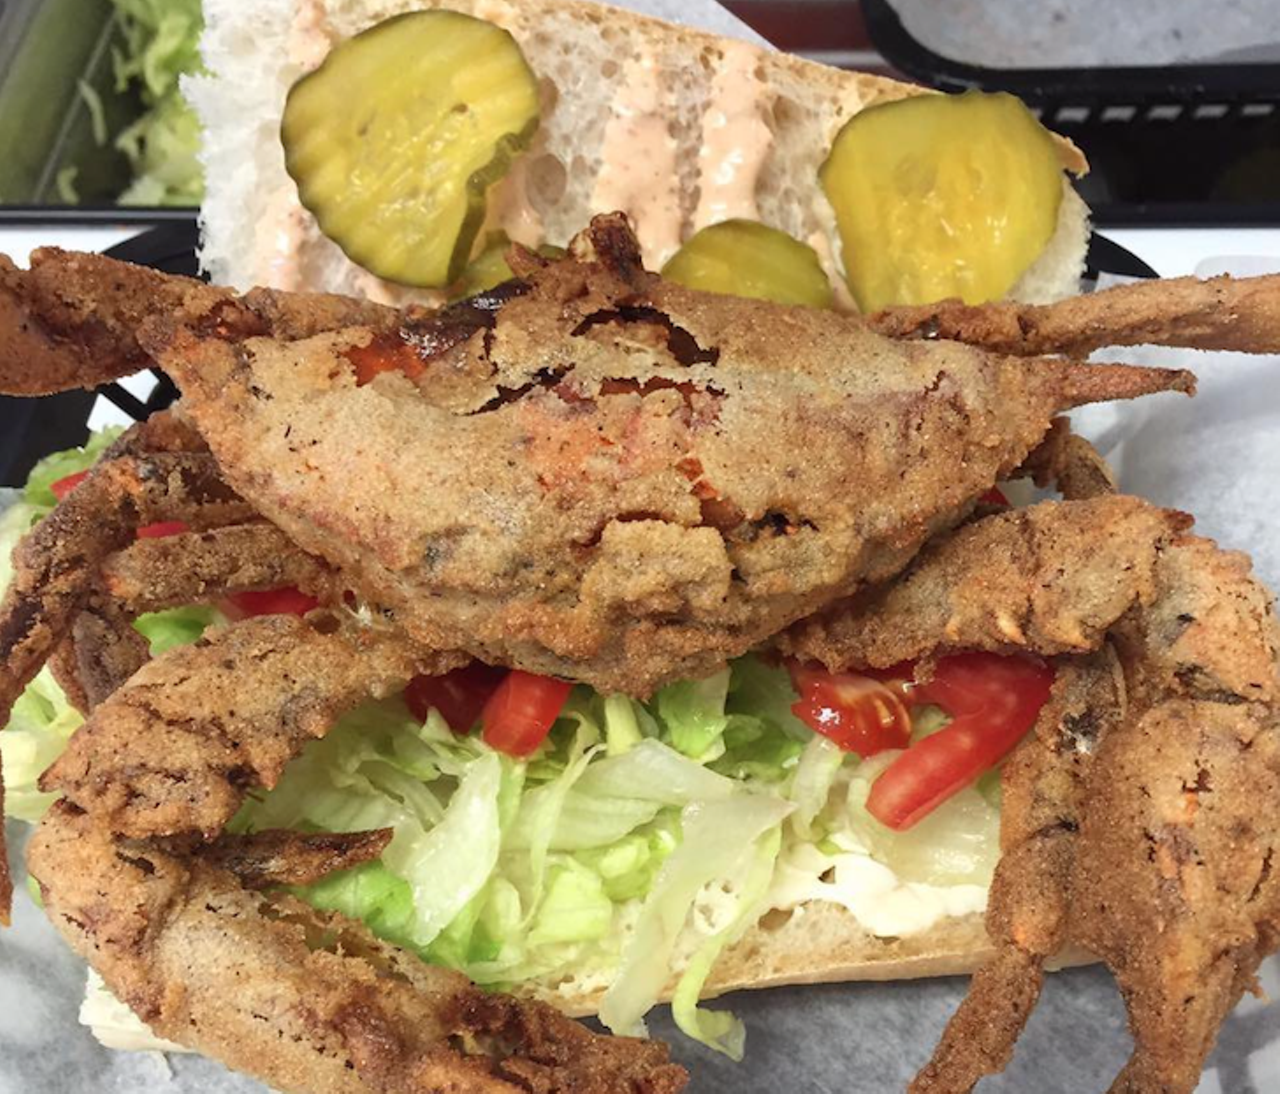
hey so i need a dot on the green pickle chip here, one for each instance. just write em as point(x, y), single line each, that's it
point(942, 196)
point(489, 267)
point(744, 258)
point(396, 138)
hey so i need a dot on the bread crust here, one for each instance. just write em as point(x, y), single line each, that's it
point(819, 942)
point(581, 52)
point(858, 89)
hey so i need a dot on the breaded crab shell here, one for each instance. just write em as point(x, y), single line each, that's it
point(133, 862)
point(1141, 817)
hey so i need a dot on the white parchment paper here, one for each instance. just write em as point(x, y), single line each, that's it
point(1214, 456)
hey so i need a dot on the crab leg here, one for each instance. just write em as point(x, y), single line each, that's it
point(72, 320)
point(1042, 803)
point(274, 857)
point(1222, 313)
point(101, 653)
point(55, 566)
point(1070, 463)
point(104, 650)
point(172, 752)
point(1191, 789)
point(306, 1001)
point(1170, 879)
point(194, 567)
point(1052, 578)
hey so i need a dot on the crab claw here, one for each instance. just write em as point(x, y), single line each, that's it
point(191, 931)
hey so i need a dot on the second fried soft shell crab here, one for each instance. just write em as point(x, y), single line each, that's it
point(588, 473)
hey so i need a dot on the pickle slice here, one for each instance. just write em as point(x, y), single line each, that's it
point(940, 196)
point(744, 258)
point(489, 267)
point(395, 139)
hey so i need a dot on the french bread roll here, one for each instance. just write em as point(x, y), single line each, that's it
point(815, 943)
point(591, 60)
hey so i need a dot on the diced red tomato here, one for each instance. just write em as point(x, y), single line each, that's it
point(62, 487)
point(857, 711)
point(994, 496)
point(459, 695)
point(520, 714)
point(162, 528)
point(287, 601)
point(993, 701)
point(384, 353)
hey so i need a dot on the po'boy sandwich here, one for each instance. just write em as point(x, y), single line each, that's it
point(584, 476)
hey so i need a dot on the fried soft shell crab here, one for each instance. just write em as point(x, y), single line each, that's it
point(594, 474)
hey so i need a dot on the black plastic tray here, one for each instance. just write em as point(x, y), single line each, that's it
point(32, 428)
point(1178, 144)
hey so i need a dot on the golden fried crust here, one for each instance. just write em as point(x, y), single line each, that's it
point(55, 566)
point(1052, 578)
point(193, 567)
point(55, 333)
point(1210, 631)
point(1071, 464)
point(1222, 313)
point(174, 751)
point(616, 479)
point(310, 1003)
point(72, 320)
point(1174, 886)
point(107, 651)
point(283, 857)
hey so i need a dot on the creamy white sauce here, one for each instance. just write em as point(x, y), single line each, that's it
point(882, 902)
point(735, 139)
point(638, 171)
point(372, 287)
point(115, 1025)
point(492, 11)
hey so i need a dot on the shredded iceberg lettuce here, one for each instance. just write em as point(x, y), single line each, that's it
point(595, 854)
point(957, 844)
point(158, 44)
point(449, 863)
point(718, 840)
point(693, 715)
point(161, 44)
point(40, 726)
point(720, 1029)
point(820, 763)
